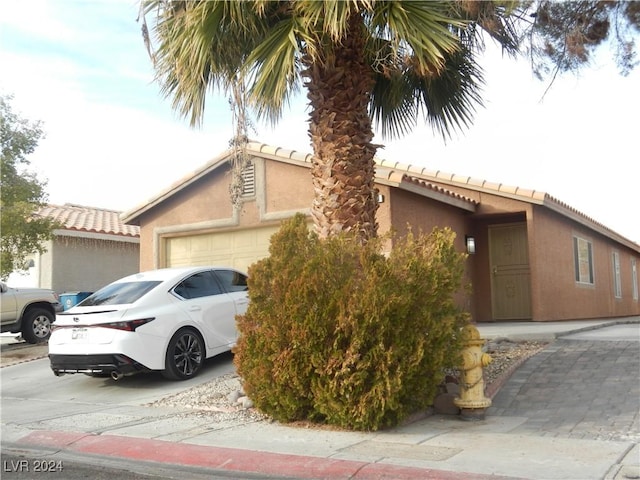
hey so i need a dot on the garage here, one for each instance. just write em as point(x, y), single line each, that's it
point(237, 248)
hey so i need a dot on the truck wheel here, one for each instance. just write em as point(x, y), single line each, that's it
point(36, 325)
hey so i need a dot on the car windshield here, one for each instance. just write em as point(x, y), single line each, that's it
point(119, 293)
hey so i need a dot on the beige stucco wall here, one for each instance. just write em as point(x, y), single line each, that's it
point(281, 191)
point(288, 187)
point(87, 264)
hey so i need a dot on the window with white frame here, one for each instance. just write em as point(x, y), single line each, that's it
point(583, 260)
point(617, 286)
point(634, 278)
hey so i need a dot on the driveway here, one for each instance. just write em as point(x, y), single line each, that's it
point(583, 386)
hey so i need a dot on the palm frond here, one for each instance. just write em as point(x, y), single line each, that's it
point(447, 99)
point(273, 68)
point(420, 28)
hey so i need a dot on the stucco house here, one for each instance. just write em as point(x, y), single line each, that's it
point(93, 248)
point(534, 257)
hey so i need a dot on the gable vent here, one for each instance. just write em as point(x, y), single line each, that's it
point(249, 180)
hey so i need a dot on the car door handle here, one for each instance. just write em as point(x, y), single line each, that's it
point(195, 308)
point(242, 302)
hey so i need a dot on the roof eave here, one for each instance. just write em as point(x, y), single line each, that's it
point(96, 235)
point(442, 197)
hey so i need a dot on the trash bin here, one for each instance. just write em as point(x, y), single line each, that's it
point(69, 299)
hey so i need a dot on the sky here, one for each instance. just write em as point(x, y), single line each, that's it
point(113, 141)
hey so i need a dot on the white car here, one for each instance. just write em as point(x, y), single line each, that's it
point(169, 320)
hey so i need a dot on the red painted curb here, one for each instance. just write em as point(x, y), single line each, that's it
point(237, 460)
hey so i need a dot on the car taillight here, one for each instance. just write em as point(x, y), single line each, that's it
point(129, 325)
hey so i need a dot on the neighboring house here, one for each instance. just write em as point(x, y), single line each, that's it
point(535, 258)
point(93, 248)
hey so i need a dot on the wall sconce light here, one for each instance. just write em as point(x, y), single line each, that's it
point(380, 198)
point(470, 242)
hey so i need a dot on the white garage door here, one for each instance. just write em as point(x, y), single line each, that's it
point(237, 249)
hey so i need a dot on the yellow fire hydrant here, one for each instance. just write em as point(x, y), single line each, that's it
point(472, 402)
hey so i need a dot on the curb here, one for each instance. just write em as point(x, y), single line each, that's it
point(234, 460)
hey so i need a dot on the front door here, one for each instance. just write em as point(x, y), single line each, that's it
point(510, 276)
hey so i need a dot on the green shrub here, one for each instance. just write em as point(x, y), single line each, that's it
point(338, 333)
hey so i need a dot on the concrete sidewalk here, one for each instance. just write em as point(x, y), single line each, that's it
point(570, 412)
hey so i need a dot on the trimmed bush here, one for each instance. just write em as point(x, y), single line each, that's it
point(338, 333)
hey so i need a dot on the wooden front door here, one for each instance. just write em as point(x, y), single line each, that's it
point(510, 275)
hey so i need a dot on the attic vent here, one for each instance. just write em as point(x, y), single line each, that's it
point(249, 180)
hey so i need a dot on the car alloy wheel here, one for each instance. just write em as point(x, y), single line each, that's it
point(185, 355)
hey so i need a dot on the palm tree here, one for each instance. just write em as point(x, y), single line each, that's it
point(361, 61)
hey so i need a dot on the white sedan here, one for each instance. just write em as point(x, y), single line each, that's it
point(169, 320)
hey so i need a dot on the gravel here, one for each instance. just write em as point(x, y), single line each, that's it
point(223, 400)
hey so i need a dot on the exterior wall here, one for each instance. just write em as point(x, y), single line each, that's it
point(281, 191)
point(204, 200)
point(555, 293)
point(425, 214)
point(287, 187)
point(72, 263)
point(45, 273)
point(87, 264)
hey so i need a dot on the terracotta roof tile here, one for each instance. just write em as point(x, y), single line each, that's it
point(439, 189)
point(89, 219)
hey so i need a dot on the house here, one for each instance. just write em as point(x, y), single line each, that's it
point(92, 248)
point(535, 258)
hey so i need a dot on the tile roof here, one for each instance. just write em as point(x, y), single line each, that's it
point(89, 219)
point(400, 174)
point(531, 196)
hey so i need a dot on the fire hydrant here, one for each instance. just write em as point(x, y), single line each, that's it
point(472, 402)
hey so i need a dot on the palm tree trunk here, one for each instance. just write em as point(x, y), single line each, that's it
point(339, 88)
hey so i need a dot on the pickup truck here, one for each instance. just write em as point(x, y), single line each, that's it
point(29, 311)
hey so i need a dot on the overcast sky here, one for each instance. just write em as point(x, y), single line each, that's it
point(113, 142)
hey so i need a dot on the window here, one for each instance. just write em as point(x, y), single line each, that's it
point(583, 260)
point(201, 284)
point(119, 293)
point(232, 281)
point(634, 278)
point(617, 287)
